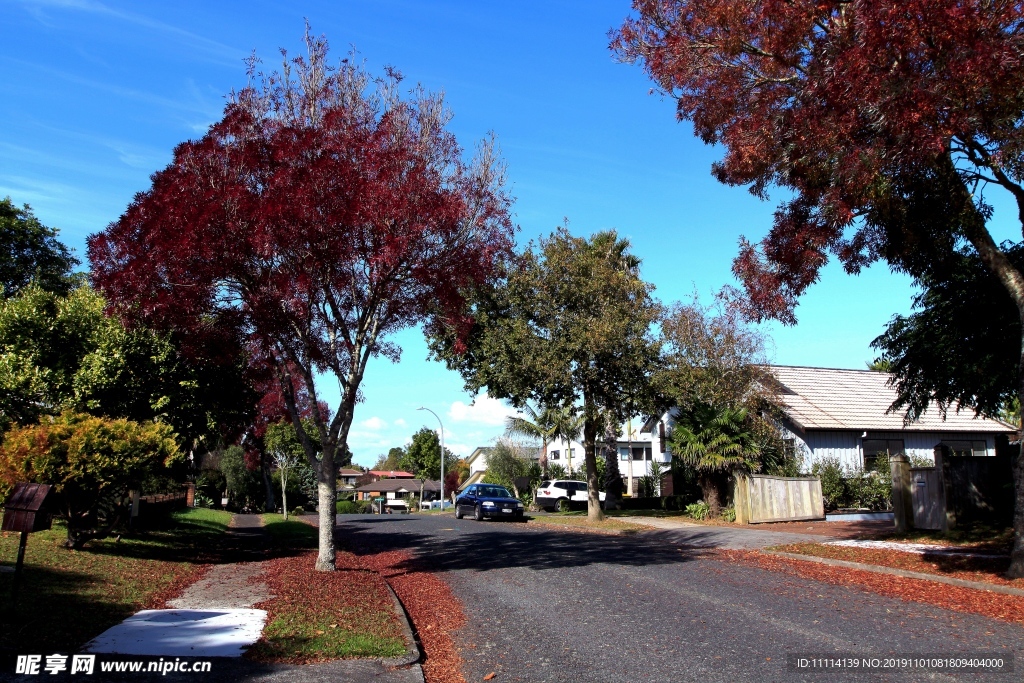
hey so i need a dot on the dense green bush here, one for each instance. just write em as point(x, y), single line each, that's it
point(348, 507)
point(729, 514)
point(298, 512)
point(853, 487)
point(833, 486)
point(698, 510)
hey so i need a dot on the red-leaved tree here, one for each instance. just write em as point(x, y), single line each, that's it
point(886, 120)
point(323, 212)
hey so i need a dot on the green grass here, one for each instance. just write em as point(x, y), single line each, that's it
point(291, 533)
point(68, 597)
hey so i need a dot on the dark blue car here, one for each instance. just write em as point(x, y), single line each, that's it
point(488, 500)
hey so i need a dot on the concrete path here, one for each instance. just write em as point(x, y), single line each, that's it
point(213, 617)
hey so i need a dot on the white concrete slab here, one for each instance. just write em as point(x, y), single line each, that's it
point(183, 632)
point(914, 548)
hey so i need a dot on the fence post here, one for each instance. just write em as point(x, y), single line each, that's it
point(946, 500)
point(902, 501)
point(741, 501)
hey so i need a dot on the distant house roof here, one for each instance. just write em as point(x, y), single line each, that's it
point(347, 472)
point(411, 485)
point(392, 474)
point(477, 452)
point(827, 398)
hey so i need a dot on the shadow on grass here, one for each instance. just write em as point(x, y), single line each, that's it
point(57, 611)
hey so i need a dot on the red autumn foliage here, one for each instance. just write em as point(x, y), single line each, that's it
point(982, 568)
point(993, 605)
point(319, 215)
point(832, 99)
point(433, 608)
point(886, 120)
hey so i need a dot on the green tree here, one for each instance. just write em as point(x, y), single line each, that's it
point(546, 424)
point(61, 352)
point(423, 456)
point(284, 447)
point(391, 461)
point(714, 370)
point(92, 462)
point(506, 462)
point(960, 346)
point(30, 251)
point(569, 325)
point(716, 442)
point(245, 485)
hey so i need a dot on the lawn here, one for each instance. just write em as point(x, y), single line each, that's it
point(67, 597)
point(319, 616)
point(578, 520)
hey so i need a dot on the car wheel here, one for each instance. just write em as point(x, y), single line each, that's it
point(458, 512)
point(478, 513)
point(563, 505)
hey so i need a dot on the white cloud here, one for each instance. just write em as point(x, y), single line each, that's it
point(373, 424)
point(483, 411)
point(399, 422)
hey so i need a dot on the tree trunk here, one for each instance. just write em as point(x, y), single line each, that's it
point(269, 505)
point(327, 493)
point(1013, 281)
point(284, 492)
point(1016, 569)
point(612, 476)
point(594, 512)
point(711, 489)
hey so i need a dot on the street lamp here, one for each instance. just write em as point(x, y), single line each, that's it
point(442, 452)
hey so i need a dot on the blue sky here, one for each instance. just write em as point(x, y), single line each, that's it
point(98, 94)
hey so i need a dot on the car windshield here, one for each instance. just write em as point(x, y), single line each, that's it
point(493, 492)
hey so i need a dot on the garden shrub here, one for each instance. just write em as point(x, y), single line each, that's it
point(729, 514)
point(347, 507)
point(698, 510)
point(298, 512)
point(833, 484)
point(92, 462)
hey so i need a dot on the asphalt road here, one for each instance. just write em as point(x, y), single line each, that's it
point(551, 605)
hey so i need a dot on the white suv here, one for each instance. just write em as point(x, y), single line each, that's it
point(551, 494)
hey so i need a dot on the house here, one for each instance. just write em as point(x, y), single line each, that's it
point(377, 475)
point(640, 444)
point(833, 413)
point(403, 488)
point(348, 478)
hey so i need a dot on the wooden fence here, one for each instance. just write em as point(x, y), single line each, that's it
point(761, 498)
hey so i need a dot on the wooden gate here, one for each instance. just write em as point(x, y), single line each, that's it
point(927, 499)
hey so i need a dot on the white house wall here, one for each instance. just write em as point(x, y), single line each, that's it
point(847, 446)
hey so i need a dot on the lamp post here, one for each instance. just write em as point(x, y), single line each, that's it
point(442, 452)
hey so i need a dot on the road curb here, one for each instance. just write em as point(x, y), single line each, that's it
point(412, 654)
point(876, 569)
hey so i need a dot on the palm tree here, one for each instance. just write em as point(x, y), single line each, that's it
point(715, 441)
point(547, 424)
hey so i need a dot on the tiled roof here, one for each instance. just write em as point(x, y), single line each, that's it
point(826, 398)
point(411, 485)
point(392, 474)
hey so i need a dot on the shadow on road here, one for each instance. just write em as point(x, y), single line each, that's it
point(503, 546)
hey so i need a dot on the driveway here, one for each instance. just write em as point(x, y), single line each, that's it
point(552, 605)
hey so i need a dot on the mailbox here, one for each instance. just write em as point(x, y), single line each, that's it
point(26, 509)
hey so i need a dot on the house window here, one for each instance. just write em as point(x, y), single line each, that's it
point(641, 452)
point(554, 455)
point(880, 449)
point(977, 448)
point(572, 453)
point(623, 453)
